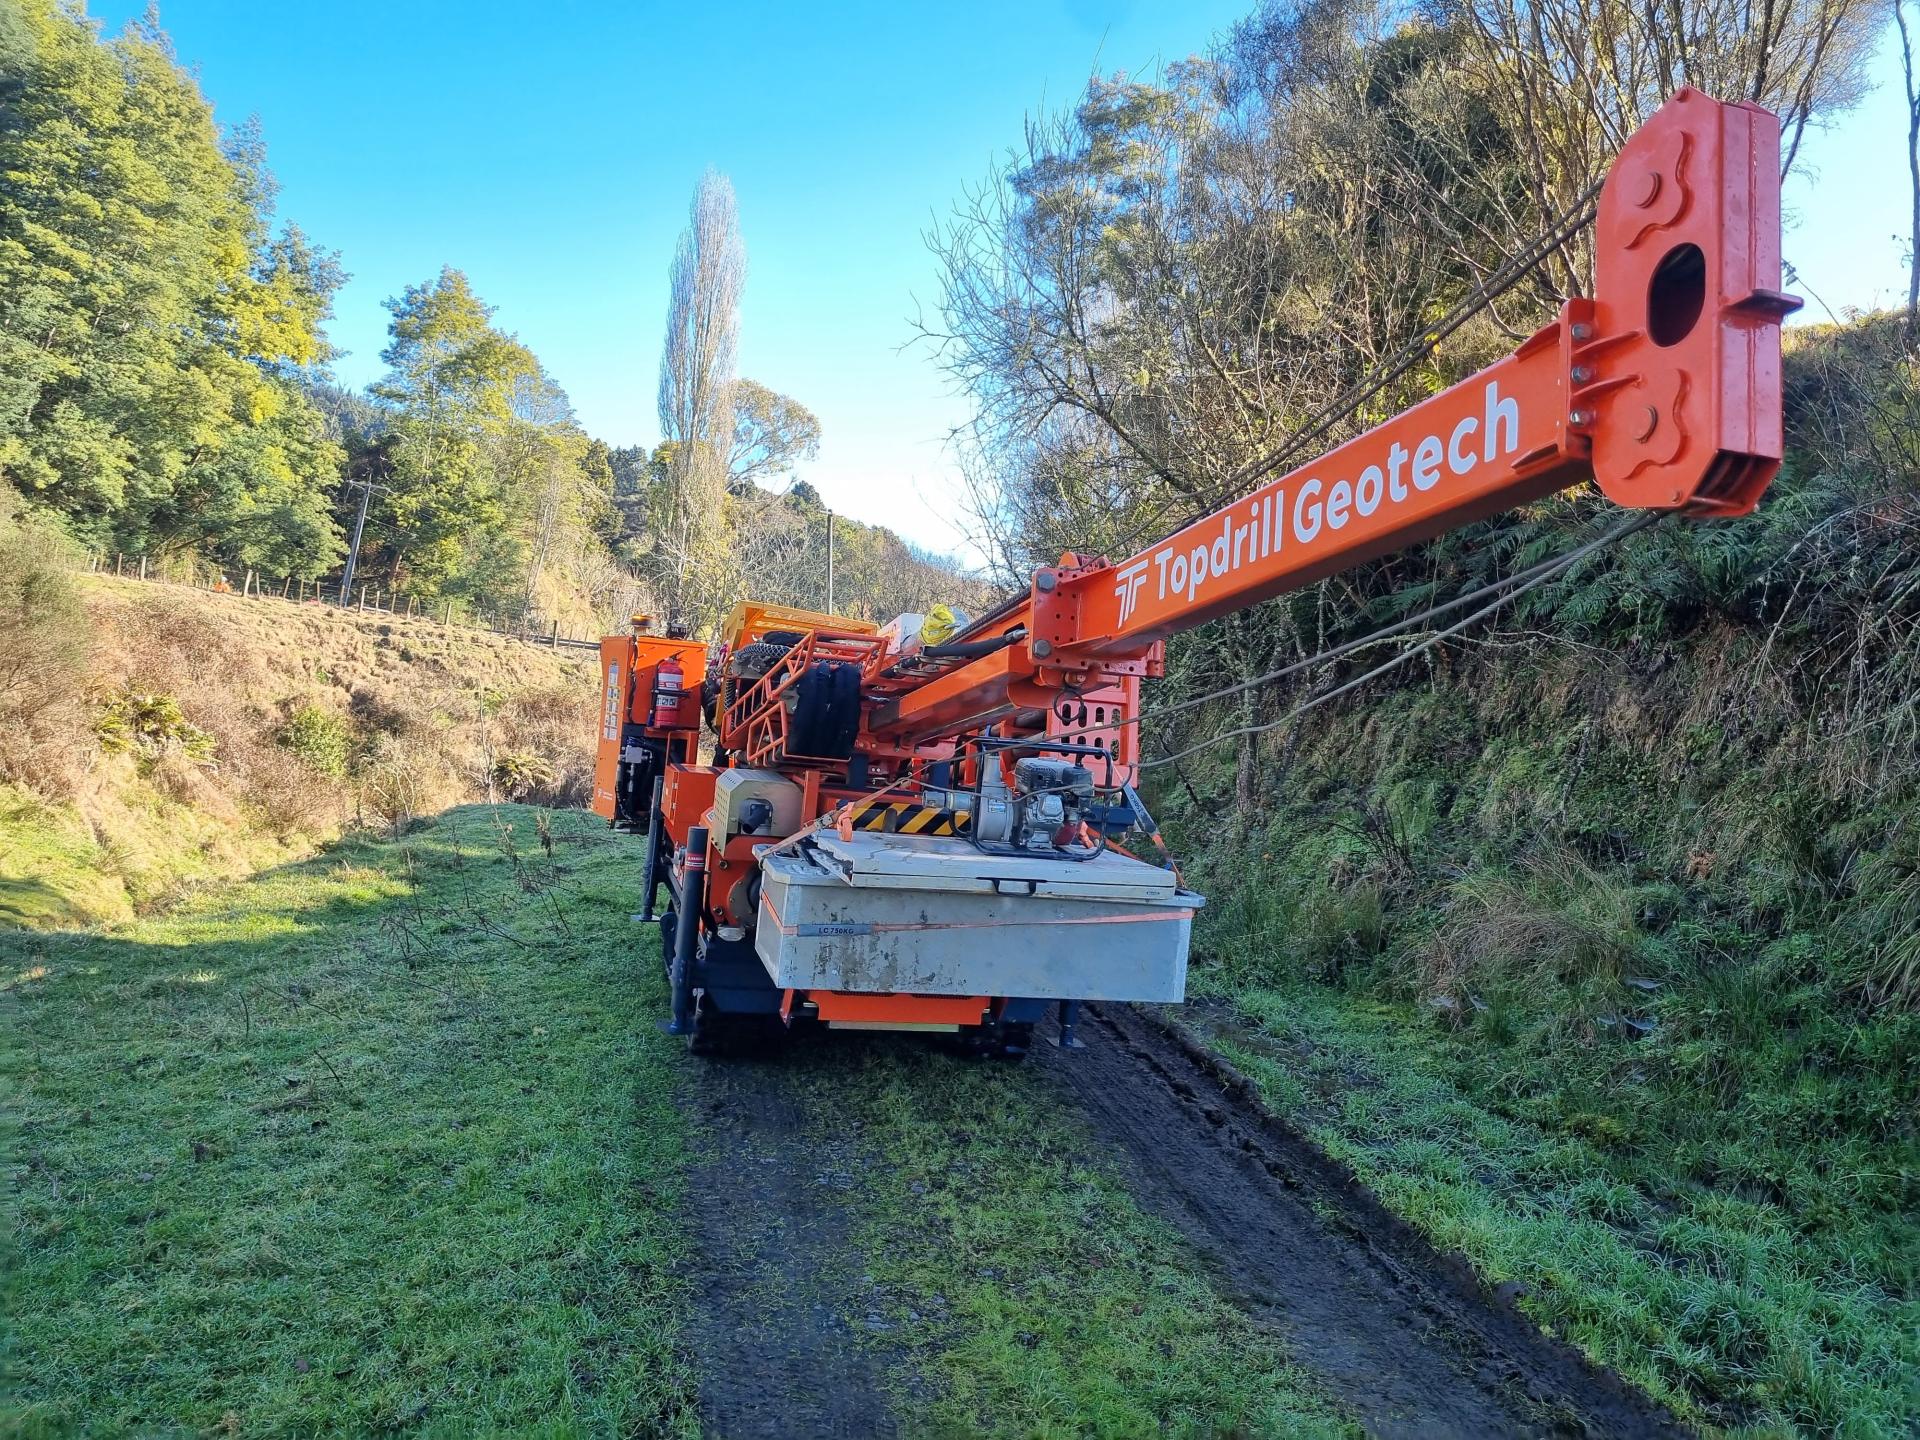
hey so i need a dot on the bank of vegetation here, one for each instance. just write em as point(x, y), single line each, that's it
point(1588, 939)
point(154, 738)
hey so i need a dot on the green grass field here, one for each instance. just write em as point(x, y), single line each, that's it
point(388, 1141)
point(1741, 1310)
point(381, 1141)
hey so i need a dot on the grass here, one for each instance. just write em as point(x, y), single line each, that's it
point(52, 874)
point(384, 1140)
point(1624, 1023)
point(188, 738)
point(1739, 1310)
point(1032, 1296)
point(1596, 960)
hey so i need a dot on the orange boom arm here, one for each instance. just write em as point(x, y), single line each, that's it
point(1664, 388)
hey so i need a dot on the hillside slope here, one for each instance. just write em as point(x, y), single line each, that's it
point(203, 735)
point(1595, 951)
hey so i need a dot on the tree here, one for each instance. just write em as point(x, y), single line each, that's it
point(451, 382)
point(771, 434)
point(696, 398)
point(1911, 82)
point(151, 325)
point(1578, 76)
point(1169, 289)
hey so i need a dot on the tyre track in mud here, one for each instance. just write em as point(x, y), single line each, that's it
point(1407, 1338)
point(774, 1276)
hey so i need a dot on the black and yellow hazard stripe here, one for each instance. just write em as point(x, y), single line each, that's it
point(904, 817)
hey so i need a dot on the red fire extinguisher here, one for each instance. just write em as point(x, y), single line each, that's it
point(669, 696)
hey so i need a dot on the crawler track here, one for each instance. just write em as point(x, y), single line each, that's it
point(1408, 1338)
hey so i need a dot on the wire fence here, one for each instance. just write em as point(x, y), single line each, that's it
point(195, 573)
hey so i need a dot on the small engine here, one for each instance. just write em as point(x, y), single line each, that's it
point(1043, 810)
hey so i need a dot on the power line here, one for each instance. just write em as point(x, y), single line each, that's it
point(1517, 266)
point(1511, 591)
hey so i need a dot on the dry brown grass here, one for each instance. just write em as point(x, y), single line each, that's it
point(428, 712)
point(1557, 918)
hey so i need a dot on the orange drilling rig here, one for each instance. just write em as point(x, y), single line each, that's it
point(892, 836)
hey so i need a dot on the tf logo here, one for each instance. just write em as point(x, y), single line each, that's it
point(1126, 586)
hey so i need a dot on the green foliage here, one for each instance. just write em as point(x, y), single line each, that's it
point(450, 384)
point(43, 630)
point(321, 738)
point(178, 424)
point(772, 433)
point(490, 494)
point(1640, 1034)
point(151, 726)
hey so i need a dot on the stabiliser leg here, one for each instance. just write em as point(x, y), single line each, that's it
point(1069, 1018)
point(650, 880)
point(690, 903)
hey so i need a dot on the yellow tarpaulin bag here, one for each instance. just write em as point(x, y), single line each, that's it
point(939, 626)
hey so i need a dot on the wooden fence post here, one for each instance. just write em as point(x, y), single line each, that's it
point(447, 618)
point(143, 567)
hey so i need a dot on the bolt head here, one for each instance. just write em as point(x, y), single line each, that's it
point(1649, 421)
point(1582, 374)
point(1581, 417)
point(1042, 648)
point(1582, 330)
point(1044, 581)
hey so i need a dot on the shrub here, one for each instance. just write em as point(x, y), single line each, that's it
point(319, 738)
point(151, 726)
point(1554, 921)
point(402, 779)
point(44, 642)
point(518, 773)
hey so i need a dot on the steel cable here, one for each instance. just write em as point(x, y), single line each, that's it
point(1515, 269)
point(1510, 591)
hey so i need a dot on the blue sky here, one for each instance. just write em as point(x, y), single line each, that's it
point(550, 152)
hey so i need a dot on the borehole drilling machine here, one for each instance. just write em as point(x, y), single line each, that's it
point(891, 837)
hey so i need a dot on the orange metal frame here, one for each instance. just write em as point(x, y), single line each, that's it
point(627, 667)
point(757, 725)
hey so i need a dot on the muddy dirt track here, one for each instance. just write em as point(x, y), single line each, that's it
point(1405, 1338)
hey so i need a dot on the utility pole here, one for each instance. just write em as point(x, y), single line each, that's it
point(829, 562)
point(379, 466)
point(367, 487)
